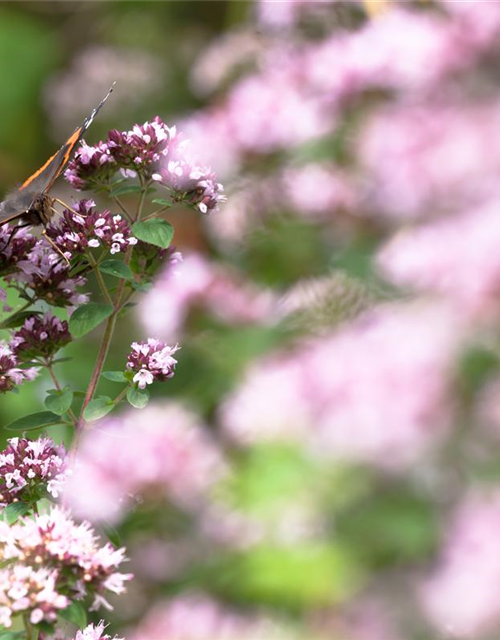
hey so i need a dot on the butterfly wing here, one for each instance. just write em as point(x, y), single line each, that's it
point(43, 179)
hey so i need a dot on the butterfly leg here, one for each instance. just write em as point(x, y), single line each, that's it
point(66, 206)
point(54, 245)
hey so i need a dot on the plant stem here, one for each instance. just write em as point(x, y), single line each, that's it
point(28, 627)
point(100, 279)
point(108, 332)
point(124, 210)
point(121, 395)
point(99, 364)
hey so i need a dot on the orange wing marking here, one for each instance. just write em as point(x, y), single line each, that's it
point(70, 143)
point(37, 173)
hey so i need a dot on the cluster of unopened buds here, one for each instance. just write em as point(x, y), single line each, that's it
point(11, 375)
point(150, 361)
point(28, 468)
point(40, 337)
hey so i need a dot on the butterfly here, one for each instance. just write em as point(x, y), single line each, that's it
point(31, 202)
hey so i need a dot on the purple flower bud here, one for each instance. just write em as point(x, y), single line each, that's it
point(10, 374)
point(40, 337)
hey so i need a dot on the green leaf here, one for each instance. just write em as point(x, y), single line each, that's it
point(156, 231)
point(114, 376)
point(12, 635)
point(76, 614)
point(34, 421)
point(15, 510)
point(17, 319)
point(59, 402)
point(138, 398)
point(116, 268)
point(163, 202)
point(125, 189)
point(112, 535)
point(46, 627)
point(59, 360)
point(88, 317)
point(98, 408)
point(143, 287)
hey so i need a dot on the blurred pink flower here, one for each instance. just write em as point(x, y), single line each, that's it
point(197, 282)
point(269, 111)
point(457, 257)
point(423, 159)
point(318, 190)
point(460, 596)
point(163, 450)
point(198, 617)
point(376, 391)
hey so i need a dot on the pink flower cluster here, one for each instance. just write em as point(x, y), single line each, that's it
point(198, 283)
point(424, 159)
point(94, 632)
point(40, 337)
point(466, 272)
point(11, 374)
point(198, 617)
point(65, 561)
point(376, 391)
point(155, 152)
point(15, 246)
point(84, 228)
point(166, 451)
point(151, 361)
point(29, 467)
point(29, 590)
point(48, 278)
point(459, 595)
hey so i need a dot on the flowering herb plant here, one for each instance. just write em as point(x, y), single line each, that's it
point(53, 568)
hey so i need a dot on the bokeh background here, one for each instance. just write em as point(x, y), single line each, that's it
point(325, 464)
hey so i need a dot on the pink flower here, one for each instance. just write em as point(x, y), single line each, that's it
point(29, 465)
point(40, 337)
point(31, 590)
point(197, 282)
point(44, 272)
point(84, 227)
point(151, 360)
point(94, 632)
point(376, 391)
point(77, 564)
point(456, 257)
point(424, 159)
point(460, 595)
point(164, 450)
point(10, 374)
point(198, 617)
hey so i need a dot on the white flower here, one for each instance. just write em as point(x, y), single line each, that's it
point(143, 378)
